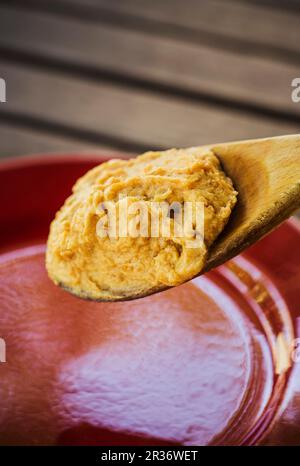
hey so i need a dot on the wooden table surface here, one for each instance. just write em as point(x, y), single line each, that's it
point(134, 75)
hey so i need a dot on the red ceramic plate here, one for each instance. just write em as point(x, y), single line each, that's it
point(211, 362)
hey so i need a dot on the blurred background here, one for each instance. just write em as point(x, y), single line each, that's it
point(133, 75)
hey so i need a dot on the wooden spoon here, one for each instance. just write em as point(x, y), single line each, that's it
point(266, 174)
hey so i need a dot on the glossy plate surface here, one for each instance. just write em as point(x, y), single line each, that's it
point(211, 362)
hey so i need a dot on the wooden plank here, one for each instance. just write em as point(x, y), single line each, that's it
point(255, 81)
point(130, 116)
point(243, 21)
point(16, 140)
point(291, 5)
